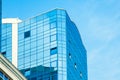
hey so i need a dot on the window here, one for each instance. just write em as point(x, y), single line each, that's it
point(53, 37)
point(46, 27)
point(4, 53)
point(27, 34)
point(75, 65)
point(81, 74)
point(53, 50)
point(69, 55)
point(53, 25)
point(53, 64)
point(54, 77)
point(4, 42)
point(27, 72)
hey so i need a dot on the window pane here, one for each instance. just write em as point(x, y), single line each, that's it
point(27, 34)
point(27, 72)
point(53, 37)
point(53, 50)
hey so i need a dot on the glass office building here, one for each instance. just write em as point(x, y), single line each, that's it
point(50, 48)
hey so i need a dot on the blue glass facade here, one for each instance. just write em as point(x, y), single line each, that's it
point(50, 48)
point(3, 76)
point(6, 40)
point(5, 37)
point(76, 53)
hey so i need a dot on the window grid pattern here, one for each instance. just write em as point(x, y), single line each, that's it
point(62, 73)
point(39, 52)
point(6, 40)
point(54, 50)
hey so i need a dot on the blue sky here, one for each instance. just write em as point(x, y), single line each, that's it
point(98, 22)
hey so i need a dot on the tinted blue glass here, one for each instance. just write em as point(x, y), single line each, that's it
point(4, 54)
point(6, 40)
point(27, 34)
point(76, 54)
point(3, 76)
point(27, 72)
point(54, 50)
